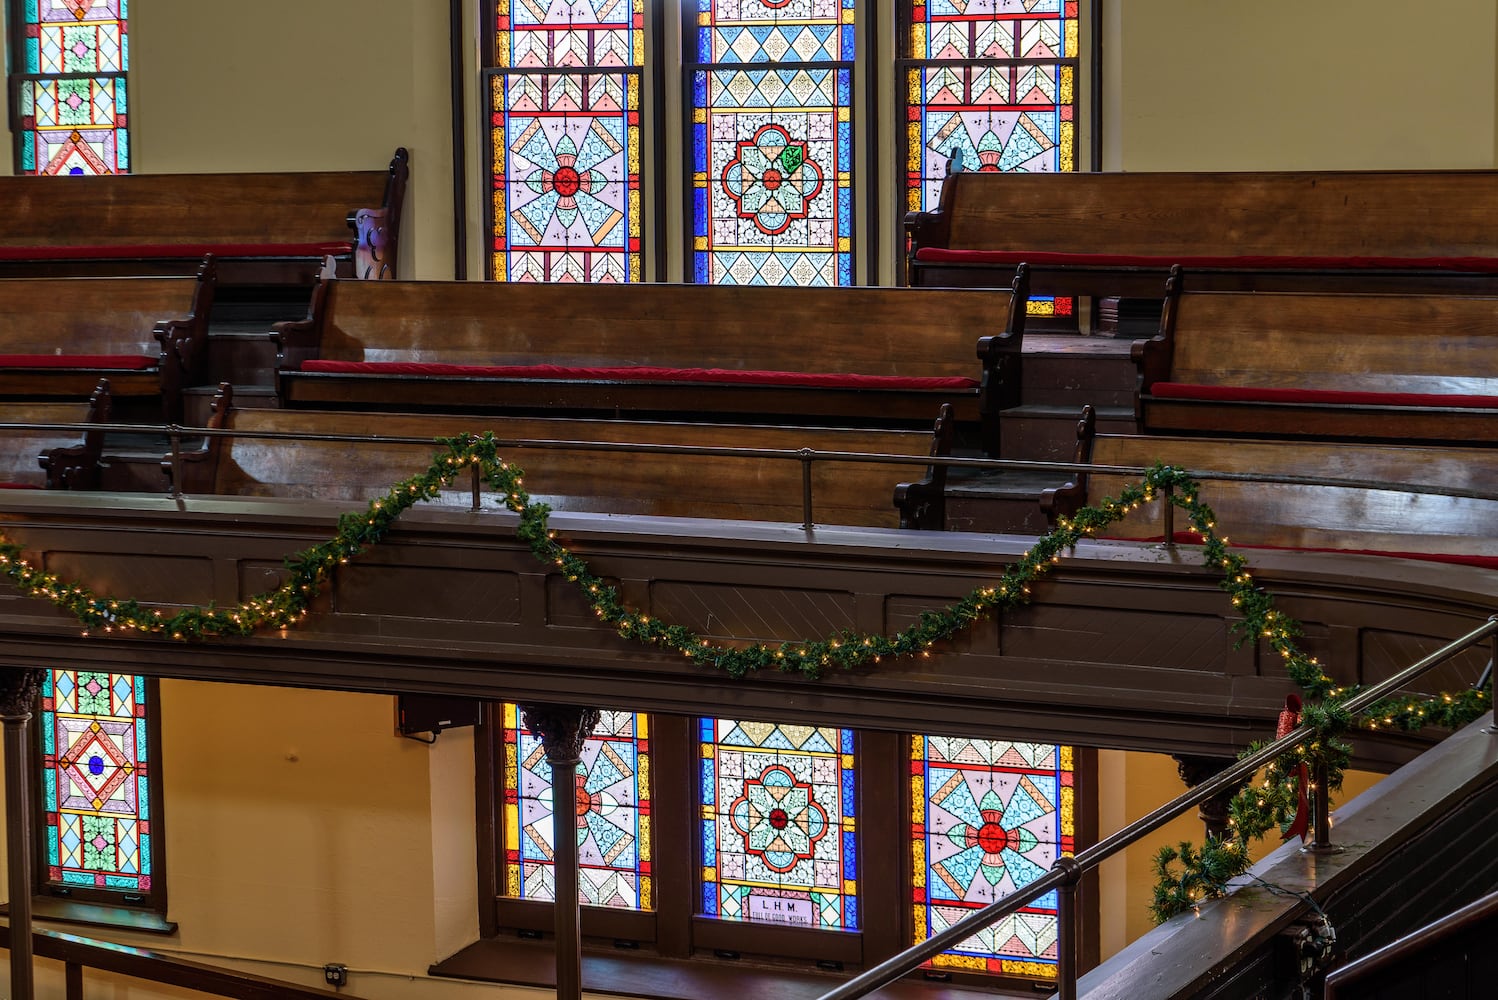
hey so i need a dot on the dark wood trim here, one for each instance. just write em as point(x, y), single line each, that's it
point(459, 138)
point(1095, 85)
point(674, 820)
point(883, 827)
point(488, 774)
point(866, 189)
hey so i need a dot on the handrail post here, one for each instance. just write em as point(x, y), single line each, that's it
point(476, 483)
point(1168, 514)
point(806, 457)
point(1322, 842)
point(1066, 928)
point(175, 434)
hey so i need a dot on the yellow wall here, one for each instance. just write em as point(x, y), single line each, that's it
point(1285, 84)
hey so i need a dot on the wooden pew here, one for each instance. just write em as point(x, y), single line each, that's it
point(147, 335)
point(263, 227)
point(1365, 366)
point(1117, 234)
point(1381, 512)
point(39, 458)
point(621, 482)
point(849, 356)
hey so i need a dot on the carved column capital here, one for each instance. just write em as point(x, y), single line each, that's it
point(18, 690)
point(563, 729)
point(1213, 812)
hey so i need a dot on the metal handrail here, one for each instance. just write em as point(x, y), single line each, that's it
point(177, 431)
point(1068, 871)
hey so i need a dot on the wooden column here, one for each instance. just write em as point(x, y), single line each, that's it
point(18, 690)
point(1212, 812)
point(563, 729)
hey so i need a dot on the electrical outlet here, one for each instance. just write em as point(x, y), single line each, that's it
point(335, 974)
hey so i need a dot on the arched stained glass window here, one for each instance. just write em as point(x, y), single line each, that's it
point(611, 801)
point(564, 104)
point(772, 142)
point(989, 85)
point(96, 787)
point(990, 817)
point(778, 838)
point(73, 57)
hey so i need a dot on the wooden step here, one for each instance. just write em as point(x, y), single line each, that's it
point(999, 502)
point(197, 400)
point(241, 355)
point(1048, 433)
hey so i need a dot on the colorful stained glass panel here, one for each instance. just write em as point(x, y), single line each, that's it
point(95, 780)
point(72, 94)
point(990, 817)
point(611, 800)
point(778, 837)
point(772, 142)
point(565, 141)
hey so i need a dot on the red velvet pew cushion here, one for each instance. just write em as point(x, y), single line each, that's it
point(643, 373)
point(1270, 394)
point(177, 250)
point(1453, 558)
point(122, 362)
point(942, 255)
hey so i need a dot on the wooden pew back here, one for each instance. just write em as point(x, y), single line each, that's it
point(747, 488)
point(875, 331)
point(1373, 343)
point(147, 335)
point(883, 333)
point(1262, 363)
point(1362, 518)
point(53, 459)
point(1365, 213)
point(89, 315)
point(136, 209)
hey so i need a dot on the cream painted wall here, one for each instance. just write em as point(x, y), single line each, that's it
point(1284, 84)
point(292, 85)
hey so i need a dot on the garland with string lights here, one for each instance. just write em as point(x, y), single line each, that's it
point(1186, 875)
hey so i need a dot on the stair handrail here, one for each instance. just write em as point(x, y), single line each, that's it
point(1068, 871)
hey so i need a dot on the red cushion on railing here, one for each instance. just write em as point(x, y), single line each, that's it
point(120, 362)
point(18, 486)
point(1453, 558)
point(1269, 394)
point(642, 373)
point(942, 255)
point(336, 249)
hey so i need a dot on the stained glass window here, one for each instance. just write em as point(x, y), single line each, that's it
point(772, 142)
point(778, 838)
point(96, 784)
point(611, 801)
point(990, 817)
point(989, 85)
point(71, 90)
point(564, 104)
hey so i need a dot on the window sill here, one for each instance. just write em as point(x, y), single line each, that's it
point(67, 911)
point(618, 973)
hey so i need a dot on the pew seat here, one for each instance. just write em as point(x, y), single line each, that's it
point(146, 335)
point(835, 356)
point(1114, 236)
point(1398, 368)
point(263, 227)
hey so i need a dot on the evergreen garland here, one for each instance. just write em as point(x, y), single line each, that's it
point(1186, 875)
